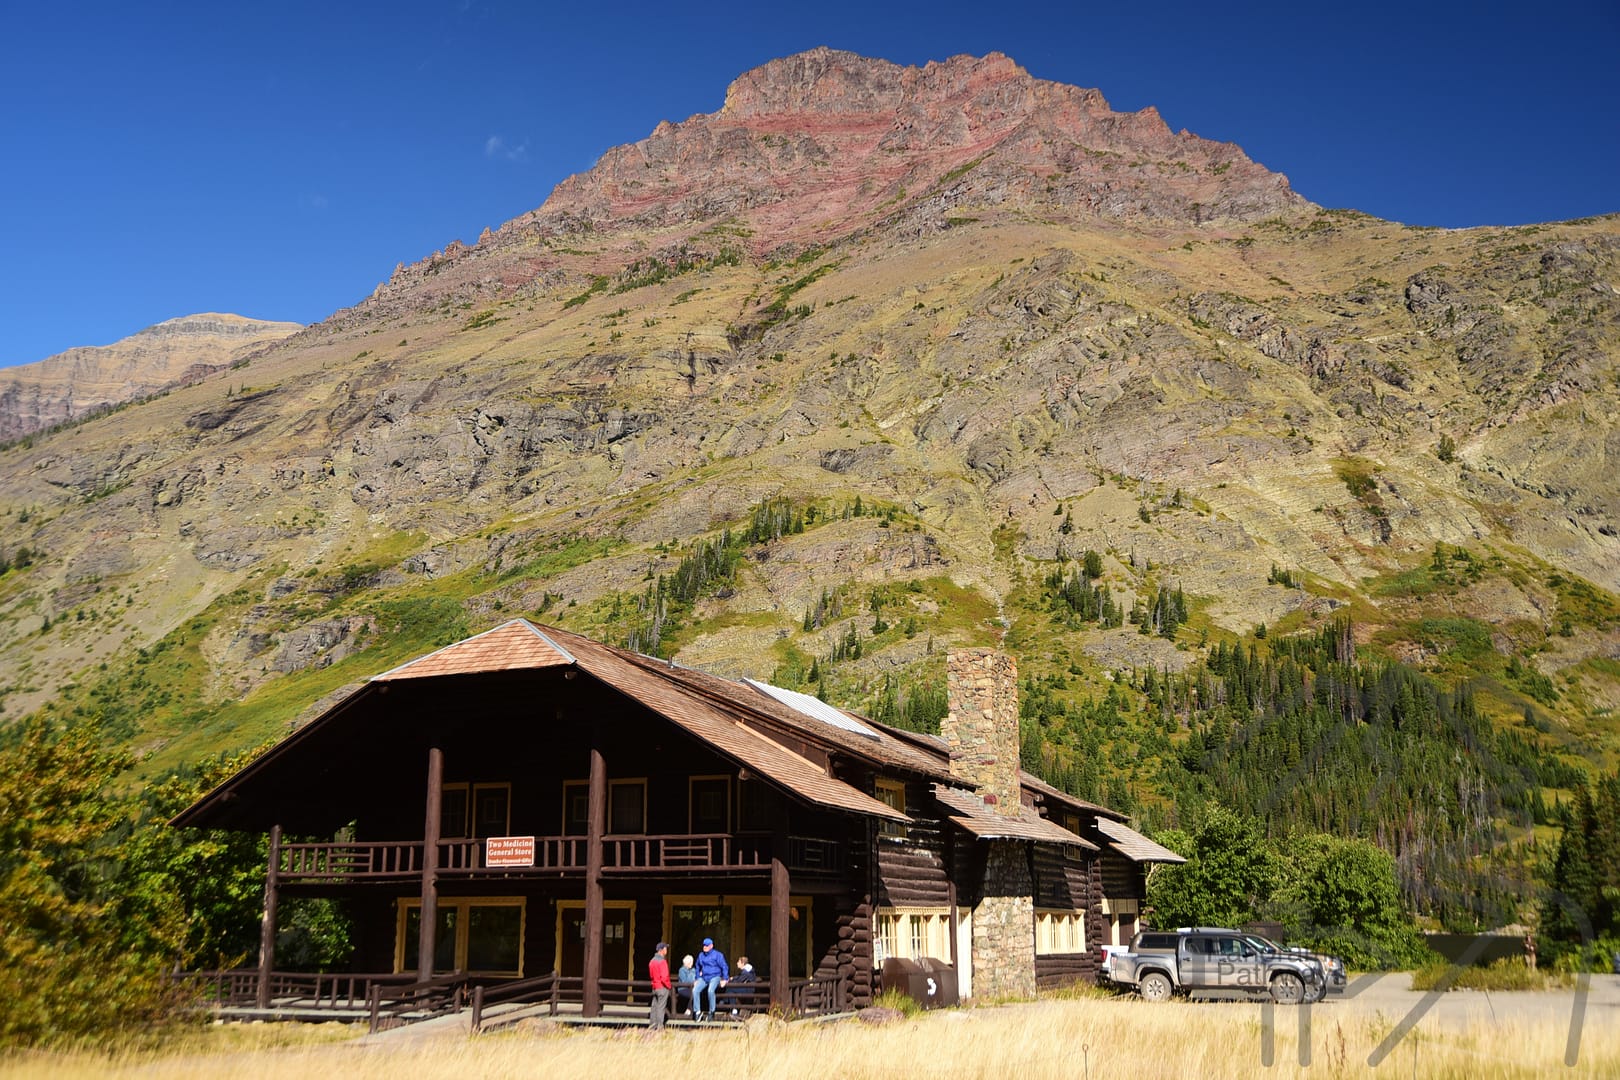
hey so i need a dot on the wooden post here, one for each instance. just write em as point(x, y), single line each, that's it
point(267, 928)
point(595, 826)
point(427, 942)
point(780, 905)
point(950, 898)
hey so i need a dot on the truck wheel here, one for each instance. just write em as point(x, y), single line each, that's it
point(1287, 989)
point(1155, 986)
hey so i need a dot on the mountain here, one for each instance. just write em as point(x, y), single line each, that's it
point(861, 364)
point(81, 382)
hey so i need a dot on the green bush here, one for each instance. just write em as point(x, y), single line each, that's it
point(1509, 973)
point(898, 1001)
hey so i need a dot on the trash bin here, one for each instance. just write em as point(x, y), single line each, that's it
point(929, 982)
point(942, 978)
point(1616, 961)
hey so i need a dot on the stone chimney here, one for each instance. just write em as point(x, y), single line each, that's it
point(982, 724)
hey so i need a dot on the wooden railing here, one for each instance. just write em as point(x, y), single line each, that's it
point(544, 992)
point(561, 855)
point(417, 1000)
point(817, 997)
point(239, 987)
point(394, 999)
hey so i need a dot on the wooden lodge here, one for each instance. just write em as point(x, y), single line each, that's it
point(528, 803)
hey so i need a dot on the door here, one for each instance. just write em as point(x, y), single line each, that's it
point(757, 939)
point(1199, 962)
point(1240, 967)
point(615, 942)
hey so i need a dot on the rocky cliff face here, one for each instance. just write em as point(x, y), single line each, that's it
point(1017, 324)
point(811, 145)
point(82, 381)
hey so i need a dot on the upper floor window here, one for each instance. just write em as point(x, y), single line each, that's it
point(891, 793)
point(626, 807)
point(474, 811)
point(710, 803)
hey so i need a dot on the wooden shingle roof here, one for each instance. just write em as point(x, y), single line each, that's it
point(987, 823)
point(1133, 845)
point(515, 646)
point(651, 685)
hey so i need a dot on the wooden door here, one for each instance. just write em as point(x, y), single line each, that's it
point(615, 943)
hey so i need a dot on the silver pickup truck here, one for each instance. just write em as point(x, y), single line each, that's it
point(1163, 963)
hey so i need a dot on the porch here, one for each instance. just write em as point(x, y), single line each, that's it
point(387, 1001)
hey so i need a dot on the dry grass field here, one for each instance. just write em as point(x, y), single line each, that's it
point(1467, 1035)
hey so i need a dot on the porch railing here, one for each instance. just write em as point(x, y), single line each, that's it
point(415, 1001)
point(239, 987)
point(389, 1000)
point(555, 855)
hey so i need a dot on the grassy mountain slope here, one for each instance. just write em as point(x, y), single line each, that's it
point(1287, 414)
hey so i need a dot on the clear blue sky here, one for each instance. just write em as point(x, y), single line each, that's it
point(277, 159)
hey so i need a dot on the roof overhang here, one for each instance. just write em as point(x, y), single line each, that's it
point(1133, 845)
point(969, 811)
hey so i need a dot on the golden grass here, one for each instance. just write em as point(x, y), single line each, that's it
point(1056, 1039)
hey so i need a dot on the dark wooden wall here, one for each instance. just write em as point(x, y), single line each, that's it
point(911, 872)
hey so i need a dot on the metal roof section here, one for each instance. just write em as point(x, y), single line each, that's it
point(813, 707)
point(1133, 845)
point(518, 645)
point(987, 823)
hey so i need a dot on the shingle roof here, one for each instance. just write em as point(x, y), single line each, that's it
point(515, 646)
point(719, 727)
point(1036, 784)
point(885, 751)
point(970, 812)
point(1133, 845)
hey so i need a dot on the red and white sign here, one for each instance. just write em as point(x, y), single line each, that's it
point(509, 851)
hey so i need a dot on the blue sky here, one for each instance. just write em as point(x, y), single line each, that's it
point(277, 160)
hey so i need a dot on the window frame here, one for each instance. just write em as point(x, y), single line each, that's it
point(883, 787)
point(928, 936)
point(691, 800)
point(1060, 931)
point(570, 785)
point(463, 905)
point(468, 791)
point(739, 904)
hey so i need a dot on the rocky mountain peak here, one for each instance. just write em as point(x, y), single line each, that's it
point(828, 141)
point(84, 380)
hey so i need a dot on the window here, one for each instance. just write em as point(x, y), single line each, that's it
point(891, 793)
point(453, 812)
point(626, 809)
point(755, 806)
point(1059, 932)
point(492, 810)
point(479, 935)
point(913, 933)
point(490, 806)
point(740, 926)
point(710, 805)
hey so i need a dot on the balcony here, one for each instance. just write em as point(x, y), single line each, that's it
point(556, 856)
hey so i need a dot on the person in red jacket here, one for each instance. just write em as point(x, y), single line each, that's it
point(658, 971)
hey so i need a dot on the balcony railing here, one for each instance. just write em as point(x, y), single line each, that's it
point(622, 856)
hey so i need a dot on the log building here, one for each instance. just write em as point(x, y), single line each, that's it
point(529, 801)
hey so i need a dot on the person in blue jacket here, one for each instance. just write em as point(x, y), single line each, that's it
point(712, 975)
